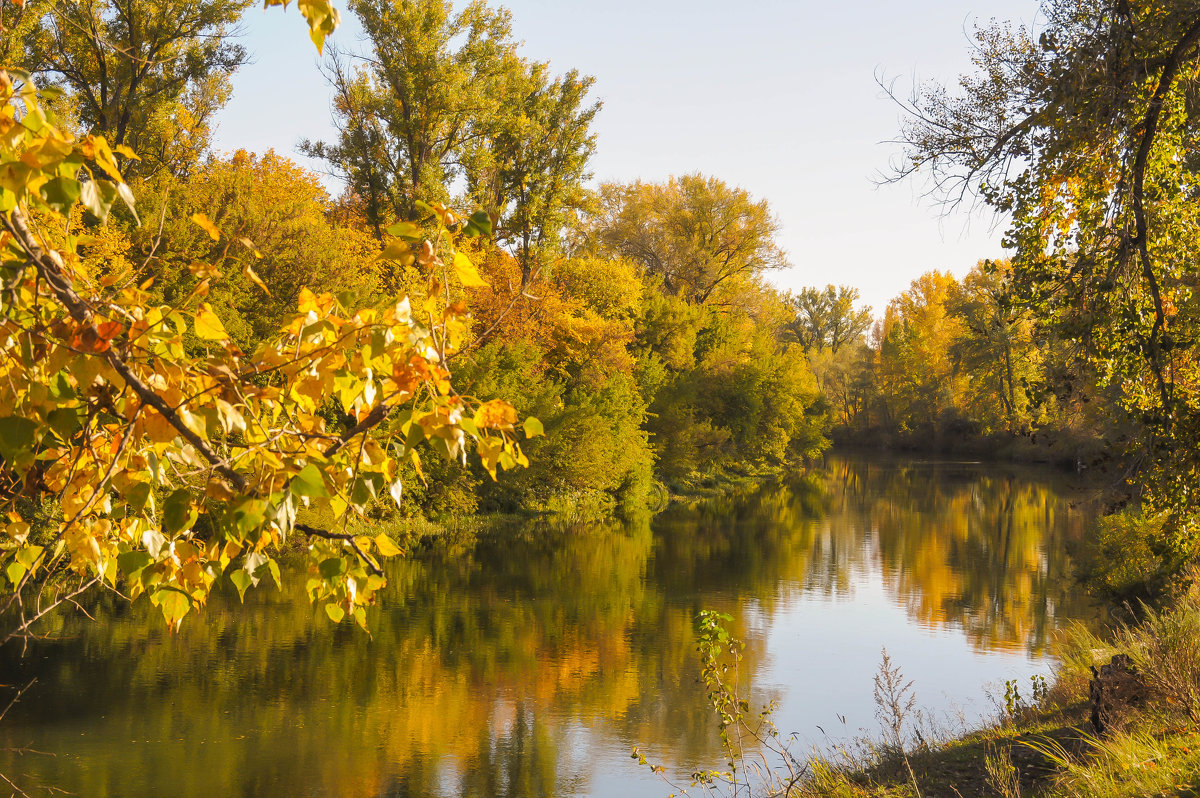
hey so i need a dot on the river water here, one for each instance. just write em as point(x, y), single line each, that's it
point(529, 662)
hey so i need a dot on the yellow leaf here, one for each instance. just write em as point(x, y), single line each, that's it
point(322, 18)
point(386, 546)
point(103, 156)
point(308, 301)
point(398, 251)
point(203, 270)
point(201, 290)
point(254, 278)
point(447, 216)
point(248, 244)
point(208, 326)
point(218, 490)
point(467, 273)
point(121, 149)
point(207, 225)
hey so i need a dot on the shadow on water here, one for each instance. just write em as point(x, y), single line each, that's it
point(527, 662)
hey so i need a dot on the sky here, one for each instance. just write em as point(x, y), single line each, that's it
point(777, 96)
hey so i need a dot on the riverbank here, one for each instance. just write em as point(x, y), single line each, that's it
point(1067, 451)
point(414, 532)
point(1048, 747)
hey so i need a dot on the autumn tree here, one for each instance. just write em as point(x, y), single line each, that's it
point(698, 235)
point(147, 74)
point(433, 81)
point(528, 169)
point(278, 241)
point(918, 378)
point(827, 319)
point(998, 348)
point(1085, 132)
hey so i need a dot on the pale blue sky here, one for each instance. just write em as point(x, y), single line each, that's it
point(777, 96)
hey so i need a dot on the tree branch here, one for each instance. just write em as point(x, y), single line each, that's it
point(50, 266)
point(346, 538)
point(1141, 233)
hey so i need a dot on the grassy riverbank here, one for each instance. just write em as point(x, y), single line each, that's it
point(1048, 747)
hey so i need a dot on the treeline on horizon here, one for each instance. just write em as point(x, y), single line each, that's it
point(958, 366)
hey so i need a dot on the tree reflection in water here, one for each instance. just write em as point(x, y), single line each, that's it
point(528, 662)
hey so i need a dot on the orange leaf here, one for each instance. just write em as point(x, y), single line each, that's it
point(496, 414)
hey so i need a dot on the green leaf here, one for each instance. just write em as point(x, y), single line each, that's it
point(64, 421)
point(178, 514)
point(137, 496)
point(61, 193)
point(335, 612)
point(242, 581)
point(332, 568)
point(131, 562)
point(309, 483)
point(479, 224)
point(17, 436)
point(14, 571)
point(60, 387)
point(362, 493)
point(416, 434)
point(249, 515)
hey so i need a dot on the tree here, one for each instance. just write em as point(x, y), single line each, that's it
point(827, 319)
point(432, 82)
point(997, 348)
point(528, 170)
point(698, 235)
point(278, 240)
point(917, 374)
point(141, 447)
point(1087, 135)
point(147, 74)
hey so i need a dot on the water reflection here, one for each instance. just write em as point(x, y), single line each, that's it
point(527, 663)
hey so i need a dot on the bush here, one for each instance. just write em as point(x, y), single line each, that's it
point(1165, 648)
point(1122, 563)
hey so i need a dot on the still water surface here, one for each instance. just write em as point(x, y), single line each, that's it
point(529, 663)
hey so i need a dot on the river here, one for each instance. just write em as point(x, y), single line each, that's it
point(529, 662)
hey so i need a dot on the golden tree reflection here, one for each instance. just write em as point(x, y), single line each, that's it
point(490, 663)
